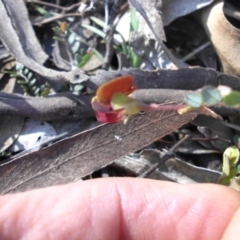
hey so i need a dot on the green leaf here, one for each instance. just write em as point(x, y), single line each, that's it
point(9, 71)
point(45, 92)
point(21, 82)
point(78, 87)
point(98, 21)
point(34, 88)
point(30, 74)
point(232, 99)
point(25, 89)
point(95, 30)
point(72, 37)
point(75, 47)
point(123, 44)
point(57, 31)
point(14, 75)
point(134, 20)
point(235, 183)
point(231, 154)
point(134, 58)
point(77, 58)
point(120, 100)
point(85, 59)
point(211, 95)
point(36, 91)
point(194, 100)
point(25, 71)
point(238, 169)
point(43, 11)
point(230, 159)
point(131, 105)
point(83, 52)
point(58, 38)
point(33, 81)
point(19, 66)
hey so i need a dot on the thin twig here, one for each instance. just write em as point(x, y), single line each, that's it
point(64, 9)
point(57, 17)
point(168, 155)
point(196, 51)
point(111, 30)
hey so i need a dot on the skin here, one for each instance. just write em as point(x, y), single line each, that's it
point(122, 208)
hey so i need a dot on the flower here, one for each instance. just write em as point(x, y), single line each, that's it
point(112, 104)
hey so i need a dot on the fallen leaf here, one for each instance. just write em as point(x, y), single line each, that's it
point(183, 172)
point(173, 9)
point(33, 133)
point(75, 157)
point(219, 135)
point(224, 36)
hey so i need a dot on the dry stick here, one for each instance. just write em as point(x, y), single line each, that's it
point(196, 51)
point(65, 9)
point(27, 37)
point(183, 78)
point(51, 108)
point(57, 17)
point(109, 48)
point(68, 106)
point(110, 33)
point(12, 42)
point(46, 4)
point(163, 159)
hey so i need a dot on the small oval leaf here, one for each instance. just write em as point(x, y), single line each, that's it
point(211, 95)
point(232, 99)
point(194, 100)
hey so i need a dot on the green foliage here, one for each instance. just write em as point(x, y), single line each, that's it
point(74, 41)
point(128, 105)
point(123, 47)
point(194, 100)
point(134, 59)
point(83, 58)
point(232, 99)
point(134, 23)
point(28, 82)
point(80, 56)
point(211, 96)
point(42, 11)
point(229, 168)
point(208, 96)
point(129, 52)
point(95, 30)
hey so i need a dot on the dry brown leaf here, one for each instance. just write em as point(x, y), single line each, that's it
point(77, 156)
point(173, 9)
point(224, 36)
point(184, 172)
